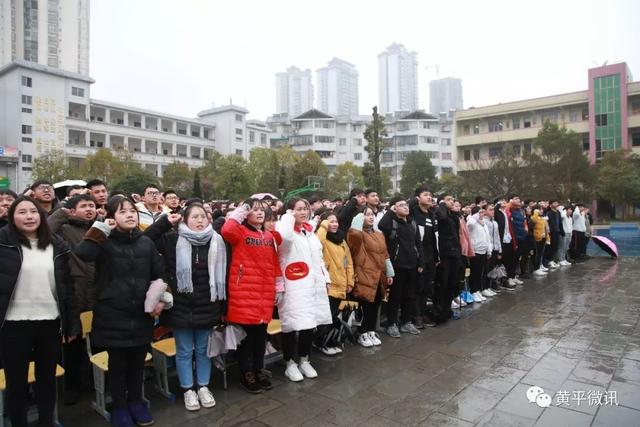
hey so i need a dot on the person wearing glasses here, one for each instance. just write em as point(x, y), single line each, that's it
point(151, 207)
point(172, 201)
point(42, 191)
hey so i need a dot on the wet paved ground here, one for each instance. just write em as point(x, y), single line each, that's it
point(575, 332)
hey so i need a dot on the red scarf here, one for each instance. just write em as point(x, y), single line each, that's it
point(306, 226)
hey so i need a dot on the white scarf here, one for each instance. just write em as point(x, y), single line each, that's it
point(216, 260)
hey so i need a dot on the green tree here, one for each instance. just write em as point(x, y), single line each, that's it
point(375, 134)
point(619, 179)
point(310, 164)
point(287, 161)
point(179, 178)
point(53, 166)
point(210, 177)
point(264, 167)
point(417, 170)
point(234, 182)
point(559, 167)
point(104, 165)
point(371, 179)
point(197, 190)
point(134, 180)
point(346, 177)
point(452, 184)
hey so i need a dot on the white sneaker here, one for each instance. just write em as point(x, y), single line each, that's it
point(543, 268)
point(512, 282)
point(375, 339)
point(487, 293)
point(365, 340)
point(191, 402)
point(454, 305)
point(337, 350)
point(306, 368)
point(477, 297)
point(564, 263)
point(462, 302)
point(329, 351)
point(540, 272)
point(206, 397)
point(292, 372)
point(517, 281)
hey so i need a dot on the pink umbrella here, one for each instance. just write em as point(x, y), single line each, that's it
point(262, 196)
point(606, 245)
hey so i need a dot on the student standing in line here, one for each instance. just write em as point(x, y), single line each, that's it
point(37, 306)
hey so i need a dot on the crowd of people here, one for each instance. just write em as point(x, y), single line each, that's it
point(139, 261)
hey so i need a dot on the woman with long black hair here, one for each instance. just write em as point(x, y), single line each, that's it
point(37, 304)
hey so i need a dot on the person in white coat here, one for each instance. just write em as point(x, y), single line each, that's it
point(566, 216)
point(304, 304)
point(481, 241)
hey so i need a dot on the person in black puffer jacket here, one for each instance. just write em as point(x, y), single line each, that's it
point(450, 258)
point(126, 263)
point(197, 300)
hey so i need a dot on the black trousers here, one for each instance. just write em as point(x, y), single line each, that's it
point(21, 342)
point(509, 259)
point(424, 288)
point(126, 372)
point(75, 360)
point(402, 295)
point(478, 264)
point(251, 349)
point(369, 315)
point(302, 344)
point(524, 254)
point(580, 244)
point(552, 250)
point(446, 285)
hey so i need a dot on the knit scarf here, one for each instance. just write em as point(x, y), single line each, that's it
point(216, 260)
point(337, 237)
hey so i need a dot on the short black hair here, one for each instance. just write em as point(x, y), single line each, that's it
point(553, 201)
point(478, 199)
point(395, 200)
point(148, 186)
point(444, 194)
point(72, 203)
point(8, 193)
point(40, 182)
point(512, 196)
point(115, 203)
point(420, 190)
point(74, 187)
point(169, 192)
point(313, 199)
point(356, 191)
point(369, 191)
point(95, 183)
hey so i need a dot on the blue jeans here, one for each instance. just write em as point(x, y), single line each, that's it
point(189, 341)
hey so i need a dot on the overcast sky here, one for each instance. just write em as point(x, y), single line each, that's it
point(180, 56)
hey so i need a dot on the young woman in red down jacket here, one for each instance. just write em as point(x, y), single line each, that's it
point(253, 277)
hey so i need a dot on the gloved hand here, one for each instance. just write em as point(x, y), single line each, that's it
point(358, 222)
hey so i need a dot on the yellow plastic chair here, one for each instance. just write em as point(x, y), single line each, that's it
point(100, 366)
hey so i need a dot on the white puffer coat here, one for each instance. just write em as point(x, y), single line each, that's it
point(305, 304)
